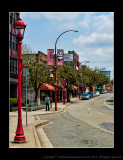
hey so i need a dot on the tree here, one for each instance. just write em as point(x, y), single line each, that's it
point(112, 82)
point(26, 49)
point(38, 73)
point(101, 80)
point(70, 76)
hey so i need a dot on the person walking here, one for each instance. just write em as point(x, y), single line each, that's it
point(47, 102)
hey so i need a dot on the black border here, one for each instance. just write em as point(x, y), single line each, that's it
point(55, 152)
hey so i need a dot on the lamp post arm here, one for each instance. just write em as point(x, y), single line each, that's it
point(55, 68)
point(63, 33)
point(59, 37)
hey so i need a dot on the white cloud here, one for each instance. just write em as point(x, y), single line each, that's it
point(103, 23)
point(94, 39)
point(85, 21)
point(58, 16)
point(33, 15)
point(100, 55)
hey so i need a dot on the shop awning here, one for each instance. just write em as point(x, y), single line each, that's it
point(74, 87)
point(47, 87)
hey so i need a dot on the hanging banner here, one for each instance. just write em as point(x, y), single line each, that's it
point(50, 56)
point(60, 57)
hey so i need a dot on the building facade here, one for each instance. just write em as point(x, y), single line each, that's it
point(74, 61)
point(46, 88)
point(13, 55)
point(106, 73)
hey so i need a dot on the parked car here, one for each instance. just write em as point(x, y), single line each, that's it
point(94, 94)
point(91, 95)
point(103, 91)
point(97, 93)
point(85, 96)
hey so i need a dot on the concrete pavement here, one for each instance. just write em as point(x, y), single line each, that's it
point(34, 133)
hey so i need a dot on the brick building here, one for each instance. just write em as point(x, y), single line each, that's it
point(13, 55)
point(74, 62)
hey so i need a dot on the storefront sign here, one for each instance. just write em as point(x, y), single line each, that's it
point(68, 57)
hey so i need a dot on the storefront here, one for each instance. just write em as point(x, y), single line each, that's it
point(50, 90)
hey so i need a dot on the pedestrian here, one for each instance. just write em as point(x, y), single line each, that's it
point(51, 101)
point(47, 102)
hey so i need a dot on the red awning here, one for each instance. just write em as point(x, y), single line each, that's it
point(47, 87)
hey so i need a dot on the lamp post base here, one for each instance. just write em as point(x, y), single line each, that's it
point(19, 138)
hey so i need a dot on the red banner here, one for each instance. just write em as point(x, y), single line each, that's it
point(50, 56)
point(60, 57)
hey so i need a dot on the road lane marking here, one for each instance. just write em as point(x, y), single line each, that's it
point(100, 113)
point(106, 103)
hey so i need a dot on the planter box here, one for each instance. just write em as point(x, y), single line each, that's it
point(34, 108)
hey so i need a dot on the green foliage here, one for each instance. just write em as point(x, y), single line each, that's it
point(38, 72)
point(68, 73)
point(112, 81)
point(81, 77)
point(13, 101)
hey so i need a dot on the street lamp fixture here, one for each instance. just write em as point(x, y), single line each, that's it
point(19, 28)
point(51, 73)
point(55, 67)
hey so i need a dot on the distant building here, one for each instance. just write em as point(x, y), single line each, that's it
point(106, 73)
point(73, 60)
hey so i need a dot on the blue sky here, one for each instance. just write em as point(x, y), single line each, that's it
point(94, 42)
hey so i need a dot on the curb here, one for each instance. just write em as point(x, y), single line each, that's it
point(36, 135)
point(45, 142)
point(39, 132)
point(54, 112)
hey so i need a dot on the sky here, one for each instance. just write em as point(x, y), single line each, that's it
point(94, 42)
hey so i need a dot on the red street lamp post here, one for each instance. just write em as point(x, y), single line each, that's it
point(55, 68)
point(19, 28)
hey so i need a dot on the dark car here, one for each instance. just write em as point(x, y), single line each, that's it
point(85, 96)
point(91, 95)
point(103, 91)
point(94, 94)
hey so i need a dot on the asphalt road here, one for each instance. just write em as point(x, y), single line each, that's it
point(85, 124)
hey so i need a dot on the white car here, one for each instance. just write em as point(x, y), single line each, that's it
point(97, 93)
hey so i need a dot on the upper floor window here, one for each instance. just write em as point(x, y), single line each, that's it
point(13, 16)
point(13, 65)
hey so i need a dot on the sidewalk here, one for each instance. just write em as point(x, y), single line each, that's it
point(33, 125)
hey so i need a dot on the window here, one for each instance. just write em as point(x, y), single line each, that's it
point(13, 65)
point(13, 17)
point(10, 18)
point(14, 43)
point(10, 38)
point(16, 16)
